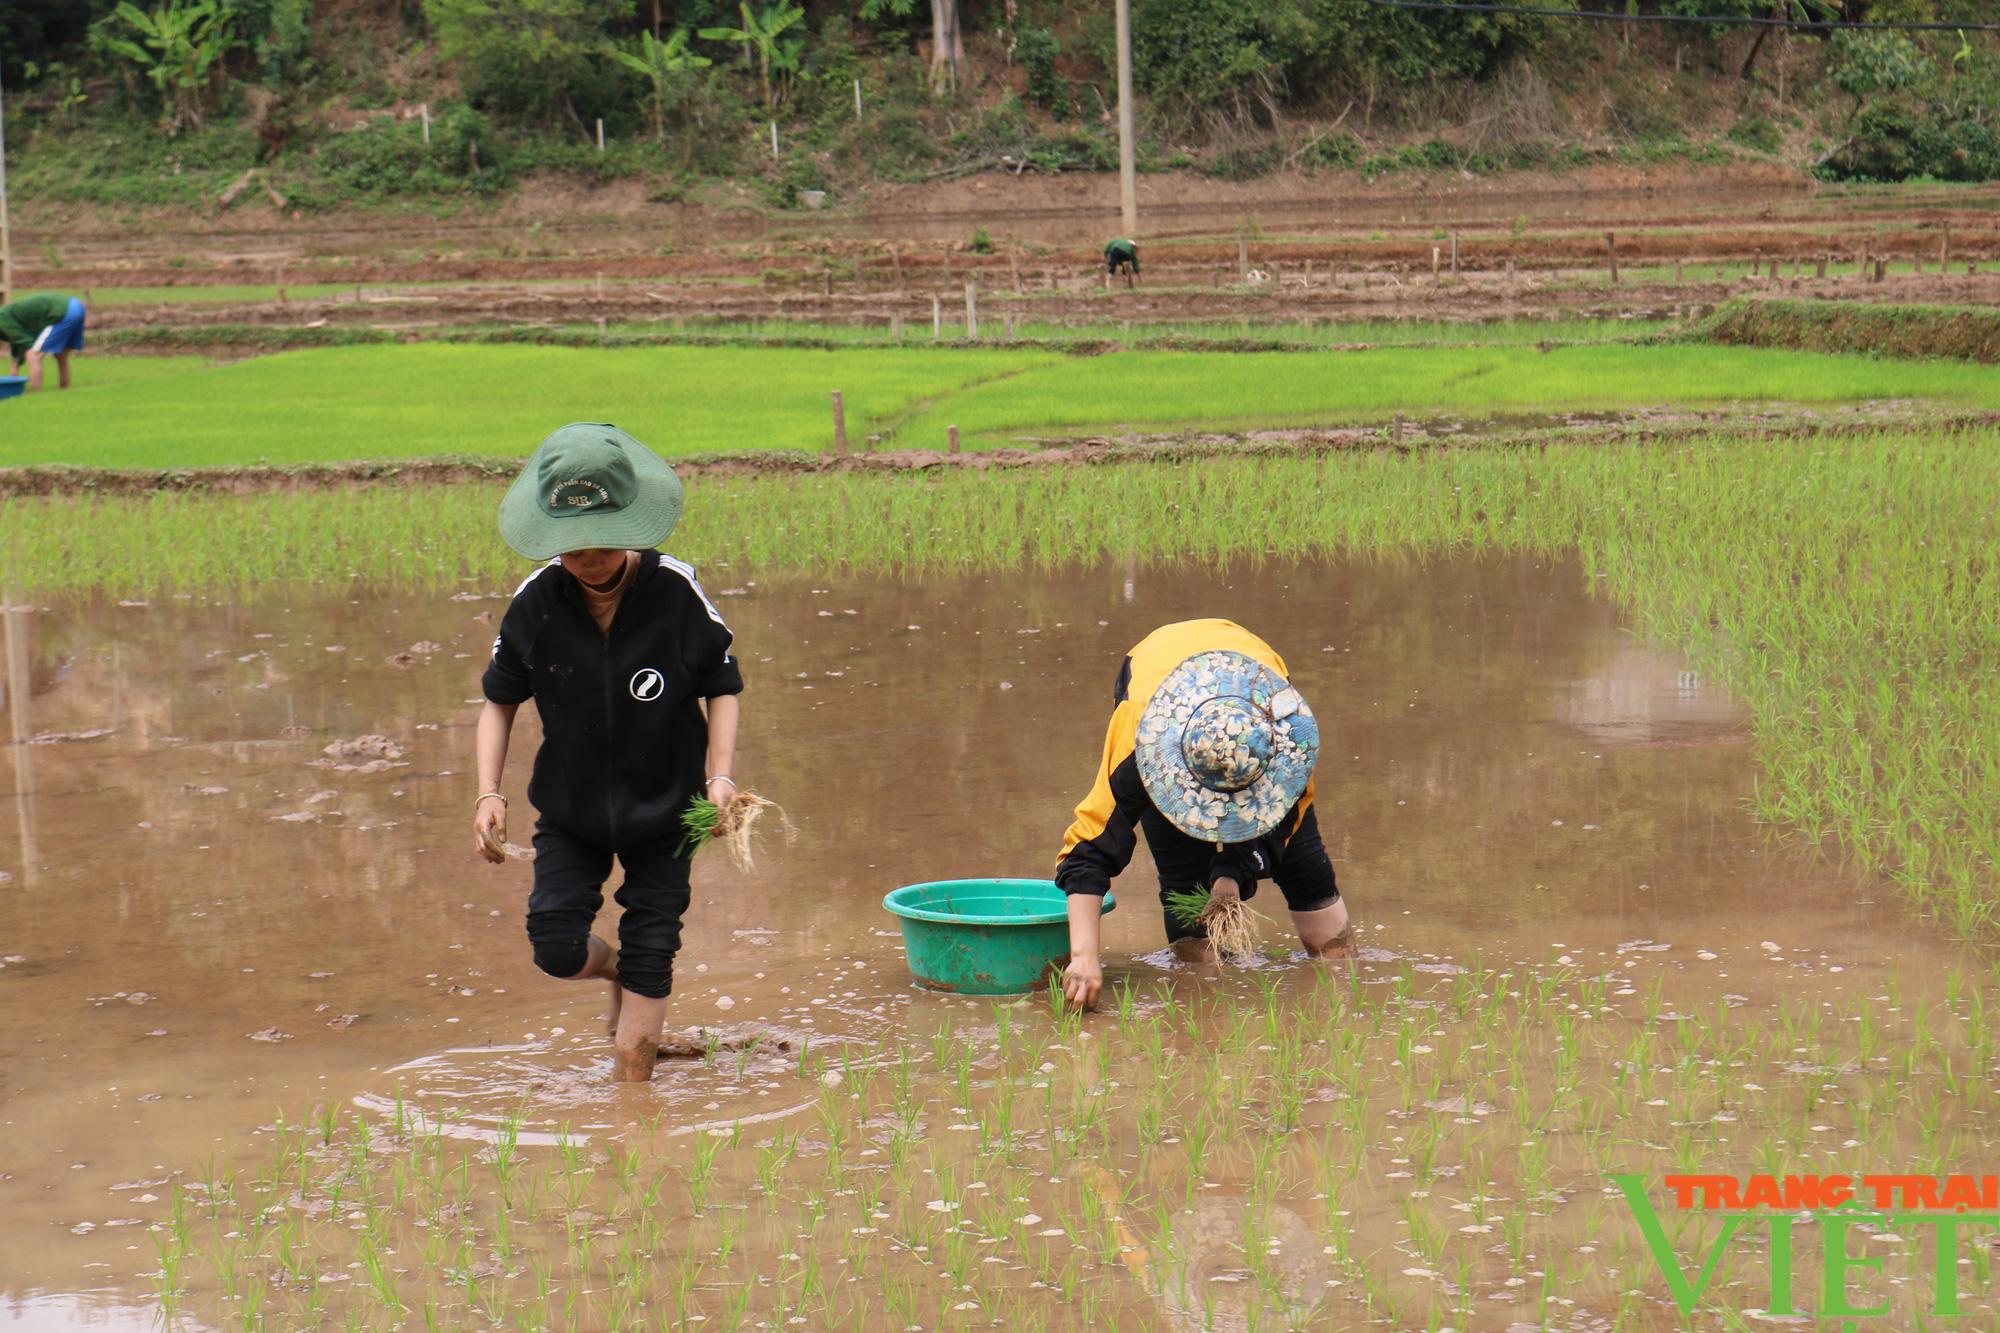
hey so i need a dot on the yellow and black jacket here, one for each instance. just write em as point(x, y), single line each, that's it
point(1100, 841)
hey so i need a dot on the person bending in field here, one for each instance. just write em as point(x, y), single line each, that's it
point(620, 650)
point(41, 326)
point(1122, 256)
point(1210, 751)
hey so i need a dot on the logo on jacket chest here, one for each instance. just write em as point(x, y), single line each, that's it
point(647, 685)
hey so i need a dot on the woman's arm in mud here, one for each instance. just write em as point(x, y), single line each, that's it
point(489, 818)
point(724, 712)
point(1084, 976)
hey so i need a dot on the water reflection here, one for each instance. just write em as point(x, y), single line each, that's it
point(214, 918)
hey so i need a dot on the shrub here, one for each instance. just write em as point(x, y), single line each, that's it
point(1756, 133)
point(1037, 50)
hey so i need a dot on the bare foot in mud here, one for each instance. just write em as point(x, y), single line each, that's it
point(613, 1006)
point(634, 1064)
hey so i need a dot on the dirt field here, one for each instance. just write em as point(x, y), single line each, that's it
point(1281, 248)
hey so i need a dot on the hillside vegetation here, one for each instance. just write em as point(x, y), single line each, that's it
point(437, 102)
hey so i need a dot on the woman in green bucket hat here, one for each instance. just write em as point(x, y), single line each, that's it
point(1210, 752)
point(631, 669)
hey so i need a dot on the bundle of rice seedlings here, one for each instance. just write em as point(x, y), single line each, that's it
point(730, 823)
point(1227, 921)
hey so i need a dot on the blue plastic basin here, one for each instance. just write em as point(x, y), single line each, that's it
point(13, 386)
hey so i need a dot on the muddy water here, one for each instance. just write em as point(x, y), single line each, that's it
point(207, 920)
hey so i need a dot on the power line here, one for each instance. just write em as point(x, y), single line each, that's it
point(1730, 20)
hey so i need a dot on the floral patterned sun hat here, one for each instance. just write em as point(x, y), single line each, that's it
point(1226, 747)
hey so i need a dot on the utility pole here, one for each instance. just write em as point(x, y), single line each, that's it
point(1128, 186)
point(6, 228)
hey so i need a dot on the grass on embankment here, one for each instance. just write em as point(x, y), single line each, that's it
point(409, 402)
point(1961, 333)
point(1847, 589)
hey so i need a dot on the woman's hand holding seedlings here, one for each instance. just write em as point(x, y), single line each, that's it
point(489, 828)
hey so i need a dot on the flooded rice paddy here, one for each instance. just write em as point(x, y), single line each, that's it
point(276, 1054)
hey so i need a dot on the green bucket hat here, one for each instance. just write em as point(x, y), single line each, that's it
point(590, 486)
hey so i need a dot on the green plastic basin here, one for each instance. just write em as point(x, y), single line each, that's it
point(983, 936)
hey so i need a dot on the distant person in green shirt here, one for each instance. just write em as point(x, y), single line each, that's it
point(42, 325)
point(1122, 256)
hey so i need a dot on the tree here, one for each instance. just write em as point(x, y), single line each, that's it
point(1863, 63)
point(178, 47)
point(947, 48)
point(762, 34)
point(522, 55)
point(666, 66)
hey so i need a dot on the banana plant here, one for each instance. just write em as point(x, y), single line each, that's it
point(663, 64)
point(178, 47)
point(762, 33)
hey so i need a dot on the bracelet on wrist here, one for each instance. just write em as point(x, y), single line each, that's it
point(489, 796)
point(723, 777)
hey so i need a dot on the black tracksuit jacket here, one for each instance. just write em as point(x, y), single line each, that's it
point(624, 738)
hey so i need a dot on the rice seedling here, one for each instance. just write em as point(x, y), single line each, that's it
point(764, 398)
point(1226, 921)
point(732, 824)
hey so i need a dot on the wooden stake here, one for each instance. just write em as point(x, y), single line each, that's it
point(857, 99)
point(427, 124)
point(1434, 263)
point(951, 435)
point(600, 134)
point(1242, 255)
point(1677, 270)
point(1454, 254)
point(947, 261)
point(1611, 248)
point(1944, 246)
point(937, 317)
point(896, 258)
point(896, 327)
point(774, 141)
point(1014, 267)
point(971, 310)
point(839, 425)
point(6, 266)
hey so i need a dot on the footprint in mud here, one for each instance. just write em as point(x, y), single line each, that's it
point(748, 1073)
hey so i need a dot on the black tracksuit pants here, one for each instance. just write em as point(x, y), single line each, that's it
point(569, 890)
point(1304, 873)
